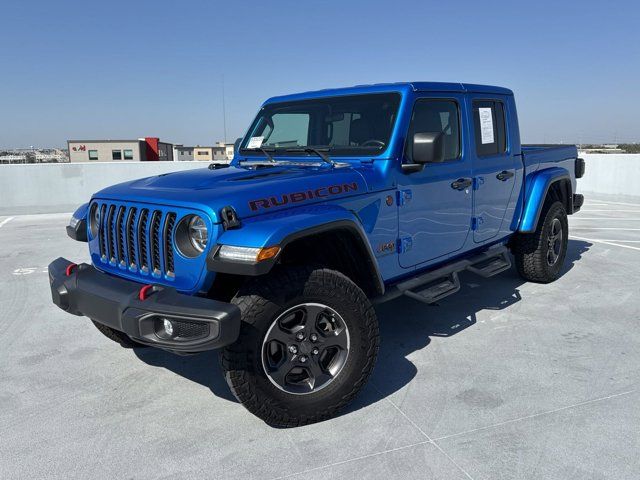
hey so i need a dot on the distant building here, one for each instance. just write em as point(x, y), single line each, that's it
point(226, 149)
point(140, 150)
point(218, 153)
point(601, 148)
point(182, 153)
point(203, 153)
point(34, 155)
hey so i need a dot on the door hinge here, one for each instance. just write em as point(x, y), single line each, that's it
point(404, 197)
point(404, 244)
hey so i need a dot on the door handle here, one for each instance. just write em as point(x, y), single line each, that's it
point(505, 175)
point(461, 183)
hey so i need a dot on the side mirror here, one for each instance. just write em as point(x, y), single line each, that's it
point(428, 147)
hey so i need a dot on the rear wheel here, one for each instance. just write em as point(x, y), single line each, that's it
point(307, 345)
point(540, 255)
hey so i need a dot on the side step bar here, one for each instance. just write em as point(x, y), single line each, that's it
point(492, 267)
point(433, 286)
point(437, 290)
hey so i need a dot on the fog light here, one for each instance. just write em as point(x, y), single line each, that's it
point(179, 329)
point(168, 327)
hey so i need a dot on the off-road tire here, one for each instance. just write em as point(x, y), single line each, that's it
point(261, 301)
point(122, 338)
point(531, 249)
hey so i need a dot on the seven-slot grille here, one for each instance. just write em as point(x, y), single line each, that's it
point(137, 238)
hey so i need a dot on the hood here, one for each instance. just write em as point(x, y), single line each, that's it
point(250, 192)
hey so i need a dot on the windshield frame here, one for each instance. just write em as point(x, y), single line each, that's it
point(343, 152)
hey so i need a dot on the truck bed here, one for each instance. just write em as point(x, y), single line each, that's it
point(535, 155)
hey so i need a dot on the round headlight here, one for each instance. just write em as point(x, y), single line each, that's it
point(191, 236)
point(94, 220)
point(198, 233)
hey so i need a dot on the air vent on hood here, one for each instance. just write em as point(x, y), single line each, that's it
point(256, 176)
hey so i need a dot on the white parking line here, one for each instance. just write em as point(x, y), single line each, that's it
point(609, 210)
point(5, 221)
point(620, 203)
point(605, 242)
point(614, 240)
point(605, 218)
point(528, 417)
point(42, 216)
point(606, 228)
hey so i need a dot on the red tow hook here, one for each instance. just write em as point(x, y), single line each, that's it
point(70, 269)
point(144, 292)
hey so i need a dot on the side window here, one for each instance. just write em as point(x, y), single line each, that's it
point(489, 127)
point(436, 116)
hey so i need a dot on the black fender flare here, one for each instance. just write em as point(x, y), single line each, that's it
point(264, 267)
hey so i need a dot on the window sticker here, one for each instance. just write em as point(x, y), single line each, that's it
point(255, 142)
point(486, 125)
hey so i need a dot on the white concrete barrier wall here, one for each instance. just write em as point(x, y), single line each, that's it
point(62, 187)
point(611, 174)
point(52, 188)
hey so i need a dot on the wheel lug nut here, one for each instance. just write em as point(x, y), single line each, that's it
point(303, 359)
point(315, 351)
point(293, 349)
point(313, 337)
point(300, 336)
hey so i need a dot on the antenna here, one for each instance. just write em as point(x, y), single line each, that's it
point(224, 112)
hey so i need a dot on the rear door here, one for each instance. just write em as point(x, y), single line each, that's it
point(494, 166)
point(434, 217)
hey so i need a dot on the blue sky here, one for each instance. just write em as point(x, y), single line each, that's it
point(116, 69)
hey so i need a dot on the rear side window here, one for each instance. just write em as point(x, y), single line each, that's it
point(489, 127)
point(436, 116)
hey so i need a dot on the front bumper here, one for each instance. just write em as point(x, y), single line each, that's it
point(200, 323)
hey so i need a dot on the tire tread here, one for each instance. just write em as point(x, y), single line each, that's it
point(529, 248)
point(253, 301)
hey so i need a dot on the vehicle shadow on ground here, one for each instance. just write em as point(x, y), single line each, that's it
point(406, 325)
point(203, 368)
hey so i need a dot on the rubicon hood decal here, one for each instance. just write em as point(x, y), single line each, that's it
point(246, 191)
point(302, 196)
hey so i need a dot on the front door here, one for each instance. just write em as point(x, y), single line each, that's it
point(435, 204)
point(494, 167)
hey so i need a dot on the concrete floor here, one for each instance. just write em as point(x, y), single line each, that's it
point(504, 380)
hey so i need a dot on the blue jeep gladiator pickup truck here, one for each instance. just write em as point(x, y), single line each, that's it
point(335, 200)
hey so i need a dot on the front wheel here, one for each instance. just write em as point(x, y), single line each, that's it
point(307, 345)
point(540, 255)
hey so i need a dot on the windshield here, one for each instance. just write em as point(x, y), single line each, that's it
point(355, 125)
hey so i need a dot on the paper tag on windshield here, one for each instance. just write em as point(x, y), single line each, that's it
point(255, 142)
point(486, 125)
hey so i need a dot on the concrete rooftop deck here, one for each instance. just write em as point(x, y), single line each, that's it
point(504, 380)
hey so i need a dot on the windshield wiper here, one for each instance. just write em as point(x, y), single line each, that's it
point(266, 151)
point(321, 152)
